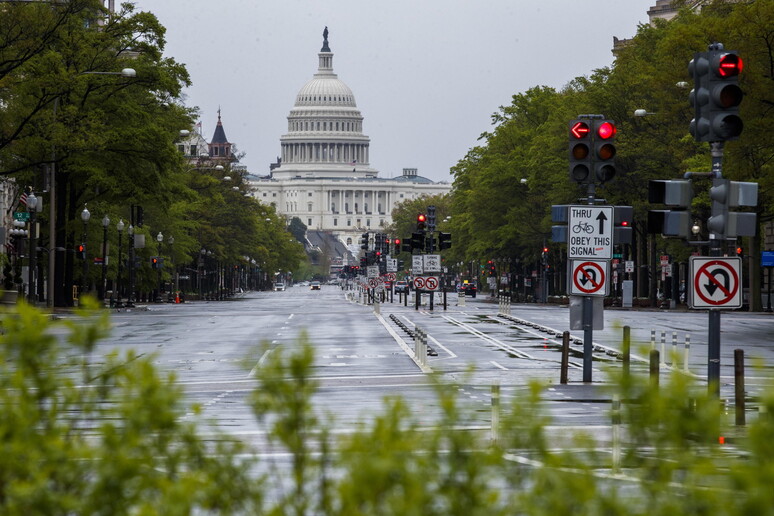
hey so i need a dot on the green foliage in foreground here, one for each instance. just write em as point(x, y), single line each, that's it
point(82, 434)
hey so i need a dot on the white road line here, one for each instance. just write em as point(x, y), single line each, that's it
point(403, 345)
point(258, 365)
point(498, 365)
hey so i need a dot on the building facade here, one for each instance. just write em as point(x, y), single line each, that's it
point(323, 175)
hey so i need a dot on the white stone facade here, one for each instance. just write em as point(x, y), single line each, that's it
point(324, 176)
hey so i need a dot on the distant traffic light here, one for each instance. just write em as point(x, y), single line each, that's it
point(580, 151)
point(421, 222)
point(81, 251)
point(431, 218)
point(716, 94)
point(739, 251)
point(396, 246)
point(444, 241)
point(417, 241)
point(364, 241)
point(604, 150)
point(622, 224)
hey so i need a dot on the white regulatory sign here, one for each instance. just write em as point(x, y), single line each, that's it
point(432, 263)
point(417, 265)
point(590, 232)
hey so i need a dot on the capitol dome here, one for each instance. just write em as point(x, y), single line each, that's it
point(325, 129)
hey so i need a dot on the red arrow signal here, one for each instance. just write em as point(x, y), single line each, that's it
point(580, 130)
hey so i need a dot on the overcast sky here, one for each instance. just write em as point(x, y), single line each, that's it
point(426, 74)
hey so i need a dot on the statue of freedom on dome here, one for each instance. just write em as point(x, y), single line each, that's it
point(325, 47)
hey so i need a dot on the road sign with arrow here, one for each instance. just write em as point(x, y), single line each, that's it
point(590, 232)
point(716, 282)
point(588, 278)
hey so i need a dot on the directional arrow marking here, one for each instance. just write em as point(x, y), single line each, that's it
point(713, 283)
point(589, 275)
point(601, 218)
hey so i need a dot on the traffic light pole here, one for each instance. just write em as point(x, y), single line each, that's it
point(713, 336)
point(588, 310)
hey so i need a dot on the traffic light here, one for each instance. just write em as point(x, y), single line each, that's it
point(431, 218)
point(716, 94)
point(156, 262)
point(622, 224)
point(444, 241)
point(677, 193)
point(364, 241)
point(81, 251)
point(727, 194)
point(421, 221)
point(580, 151)
point(604, 150)
point(396, 246)
point(544, 253)
point(491, 268)
point(739, 251)
point(406, 246)
point(417, 241)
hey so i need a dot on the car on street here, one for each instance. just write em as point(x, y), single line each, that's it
point(315, 285)
point(279, 287)
point(401, 286)
point(469, 288)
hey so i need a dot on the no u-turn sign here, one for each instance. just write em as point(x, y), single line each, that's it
point(716, 282)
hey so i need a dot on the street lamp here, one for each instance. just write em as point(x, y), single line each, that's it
point(159, 239)
point(32, 203)
point(103, 282)
point(126, 72)
point(85, 216)
point(120, 227)
point(130, 294)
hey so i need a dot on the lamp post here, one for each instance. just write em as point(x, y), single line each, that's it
point(120, 227)
point(32, 203)
point(103, 282)
point(176, 280)
point(159, 239)
point(85, 216)
point(130, 294)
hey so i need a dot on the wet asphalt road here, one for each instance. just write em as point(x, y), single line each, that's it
point(214, 348)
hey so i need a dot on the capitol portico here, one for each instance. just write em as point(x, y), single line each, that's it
point(323, 175)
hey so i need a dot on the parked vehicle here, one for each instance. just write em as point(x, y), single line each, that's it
point(279, 287)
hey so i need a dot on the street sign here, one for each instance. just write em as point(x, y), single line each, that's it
point(390, 276)
point(432, 283)
point(372, 271)
point(767, 259)
point(417, 265)
point(373, 283)
point(392, 265)
point(588, 278)
point(21, 215)
point(716, 282)
point(590, 232)
point(432, 263)
point(419, 283)
point(629, 266)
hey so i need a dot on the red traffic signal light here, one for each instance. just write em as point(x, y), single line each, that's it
point(739, 251)
point(580, 151)
point(396, 241)
point(729, 65)
point(545, 249)
point(579, 129)
point(606, 130)
point(421, 220)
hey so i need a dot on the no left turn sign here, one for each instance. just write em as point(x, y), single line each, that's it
point(588, 278)
point(716, 282)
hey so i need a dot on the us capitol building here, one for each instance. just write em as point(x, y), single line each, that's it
point(323, 175)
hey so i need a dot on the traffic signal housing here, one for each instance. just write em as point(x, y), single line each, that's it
point(716, 94)
point(623, 217)
point(80, 251)
point(444, 241)
point(421, 221)
point(580, 151)
point(727, 194)
point(677, 193)
point(364, 241)
point(604, 150)
point(417, 241)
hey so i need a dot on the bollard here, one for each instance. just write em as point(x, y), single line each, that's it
point(739, 386)
point(461, 299)
point(674, 349)
point(563, 379)
point(663, 349)
point(652, 339)
point(616, 420)
point(627, 350)
point(377, 306)
point(687, 351)
point(654, 371)
point(495, 412)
